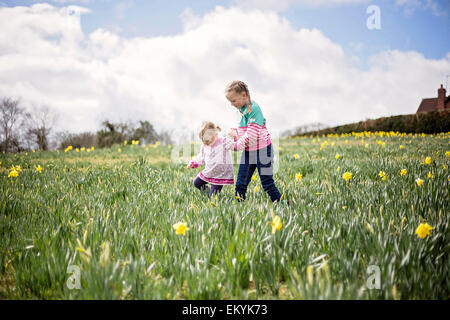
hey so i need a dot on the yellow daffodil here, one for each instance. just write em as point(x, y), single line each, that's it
point(92, 148)
point(254, 178)
point(423, 230)
point(403, 172)
point(447, 154)
point(347, 176)
point(309, 274)
point(337, 156)
point(255, 189)
point(430, 175)
point(13, 174)
point(125, 142)
point(419, 182)
point(403, 221)
point(296, 156)
point(77, 150)
point(18, 168)
point(366, 145)
point(427, 160)
point(443, 167)
point(39, 168)
point(402, 146)
point(298, 176)
point(85, 254)
point(180, 228)
point(276, 224)
point(119, 150)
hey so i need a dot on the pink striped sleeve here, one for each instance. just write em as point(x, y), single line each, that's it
point(250, 137)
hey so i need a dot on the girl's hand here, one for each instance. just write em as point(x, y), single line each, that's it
point(192, 164)
point(233, 133)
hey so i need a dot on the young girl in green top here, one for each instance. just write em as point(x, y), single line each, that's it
point(253, 138)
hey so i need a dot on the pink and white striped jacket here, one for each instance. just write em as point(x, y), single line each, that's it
point(252, 131)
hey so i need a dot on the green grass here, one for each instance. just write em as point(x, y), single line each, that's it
point(331, 231)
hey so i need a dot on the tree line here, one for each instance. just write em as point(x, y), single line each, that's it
point(430, 122)
point(24, 129)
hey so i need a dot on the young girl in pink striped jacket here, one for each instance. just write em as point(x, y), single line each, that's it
point(253, 138)
point(215, 154)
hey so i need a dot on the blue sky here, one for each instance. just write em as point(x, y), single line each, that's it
point(404, 27)
point(421, 30)
point(306, 57)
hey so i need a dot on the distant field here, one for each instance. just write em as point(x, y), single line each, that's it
point(109, 215)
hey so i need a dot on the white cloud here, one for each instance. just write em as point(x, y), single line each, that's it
point(297, 76)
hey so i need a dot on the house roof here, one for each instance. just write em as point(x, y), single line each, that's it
point(427, 104)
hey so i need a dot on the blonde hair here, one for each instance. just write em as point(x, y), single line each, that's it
point(207, 131)
point(239, 87)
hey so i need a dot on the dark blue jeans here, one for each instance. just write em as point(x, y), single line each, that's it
point(262, 160)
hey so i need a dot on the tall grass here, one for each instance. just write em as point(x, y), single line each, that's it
point(111, 214)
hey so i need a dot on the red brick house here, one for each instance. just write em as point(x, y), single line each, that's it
point(431, 104)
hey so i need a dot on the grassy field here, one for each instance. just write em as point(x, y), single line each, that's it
point(110, 215)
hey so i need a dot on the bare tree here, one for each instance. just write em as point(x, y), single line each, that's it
point(39, 124)
point(10, 115)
